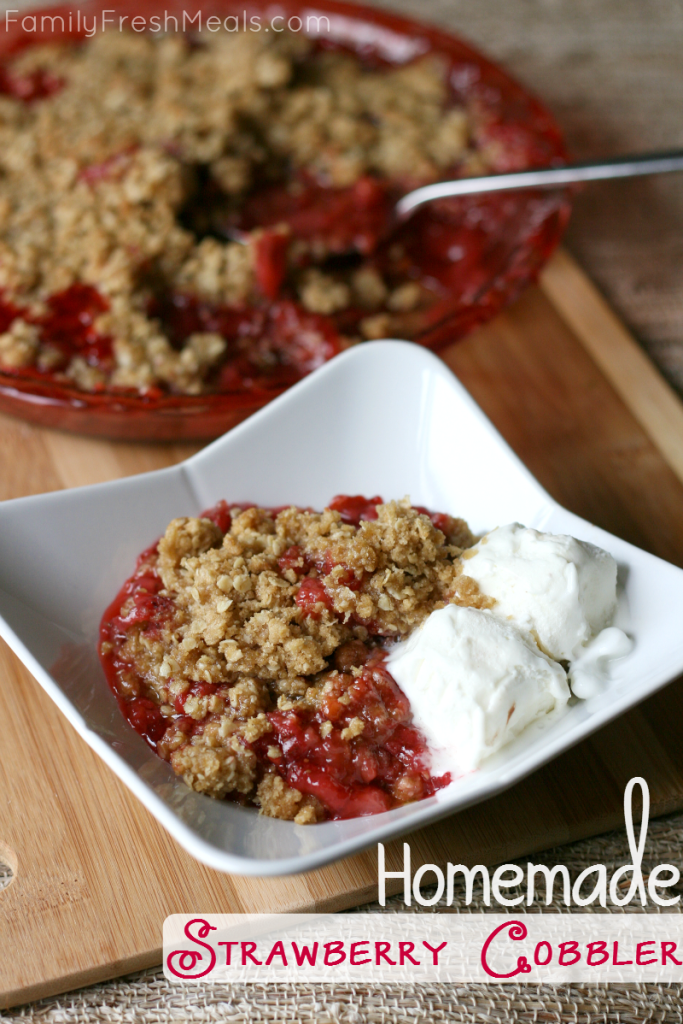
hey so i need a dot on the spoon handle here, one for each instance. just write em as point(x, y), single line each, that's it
point(594, 170)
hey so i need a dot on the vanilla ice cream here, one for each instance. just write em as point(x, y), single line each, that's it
point(474, 682)
point(588, 675)
point(562, 590)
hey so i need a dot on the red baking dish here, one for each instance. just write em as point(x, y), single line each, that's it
point(530, 224)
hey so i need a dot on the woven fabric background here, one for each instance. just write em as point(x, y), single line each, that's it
point(612, 72)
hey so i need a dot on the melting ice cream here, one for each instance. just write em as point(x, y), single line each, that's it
point(476, 679)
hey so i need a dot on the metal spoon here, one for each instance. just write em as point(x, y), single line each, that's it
point(594, 170)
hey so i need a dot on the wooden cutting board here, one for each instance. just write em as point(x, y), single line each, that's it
point(95, 875)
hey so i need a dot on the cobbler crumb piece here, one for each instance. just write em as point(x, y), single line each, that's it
point(375, 327)
point(368, 287)
point(216, 771)
point(222, 271)
point(19, 345)
point(353, 729)
point(278, 800)
point(321, 293)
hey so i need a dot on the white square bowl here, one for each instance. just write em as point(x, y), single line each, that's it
point(387, 418)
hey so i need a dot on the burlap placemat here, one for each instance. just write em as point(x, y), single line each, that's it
point(612, 72)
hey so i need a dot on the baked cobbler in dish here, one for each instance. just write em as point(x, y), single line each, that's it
point(185, 216)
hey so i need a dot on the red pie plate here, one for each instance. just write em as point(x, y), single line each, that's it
point(497, 246)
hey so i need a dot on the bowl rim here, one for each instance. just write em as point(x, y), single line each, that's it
point(393, 823)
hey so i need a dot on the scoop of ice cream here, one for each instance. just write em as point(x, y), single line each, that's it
point(474, 682)
point(562, 590)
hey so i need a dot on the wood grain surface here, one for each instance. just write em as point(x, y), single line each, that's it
point(95, 875)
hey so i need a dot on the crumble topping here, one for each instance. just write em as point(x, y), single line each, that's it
point(130, 173)
point(241, 627)
point(239, 606)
